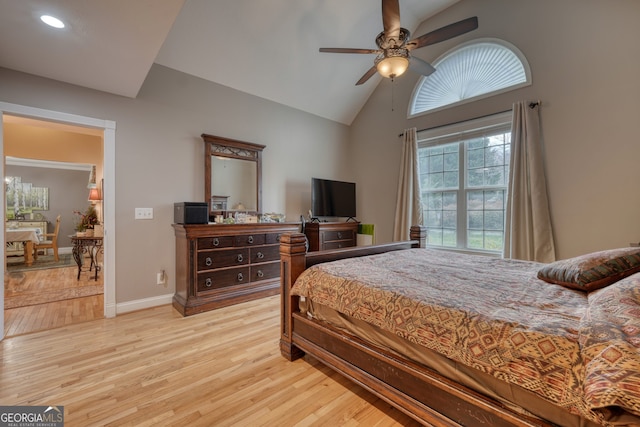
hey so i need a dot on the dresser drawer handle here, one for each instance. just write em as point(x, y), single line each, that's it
point(240, 258)
point(240, 277)
point(260, 255)
point(339, 235)
point(260, 274)
point(216, 241)
point(208, 261)
point(278, 238)
point(250, 239)
point(208, 283)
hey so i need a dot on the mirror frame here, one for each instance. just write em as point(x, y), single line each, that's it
point(233, 149)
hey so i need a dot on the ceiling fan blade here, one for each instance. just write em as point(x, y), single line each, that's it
point(347, 50)
point(421, 67)
point(445, 33)
point(391, 19)
point(367, 75)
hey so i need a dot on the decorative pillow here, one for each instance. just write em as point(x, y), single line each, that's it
point(592, 271)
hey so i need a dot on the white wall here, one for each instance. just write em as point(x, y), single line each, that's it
point(159, 156)
point(586, 72)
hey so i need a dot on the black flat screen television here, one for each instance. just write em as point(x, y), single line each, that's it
point(333, 198)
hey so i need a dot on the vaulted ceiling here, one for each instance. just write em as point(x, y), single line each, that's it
point(264, 48)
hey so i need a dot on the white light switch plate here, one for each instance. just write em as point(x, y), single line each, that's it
point(144, 213)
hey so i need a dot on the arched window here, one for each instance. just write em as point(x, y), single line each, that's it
point(471, 71)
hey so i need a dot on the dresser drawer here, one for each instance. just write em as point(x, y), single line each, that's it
point(338, 244)
point(330, 236)
point(223, 278)
point(216, 242)
point(265, 271)
point(265, 253)
point(273, 239)
point(208, 260)
point(250, 239)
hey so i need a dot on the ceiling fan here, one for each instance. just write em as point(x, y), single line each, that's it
point(393, 56)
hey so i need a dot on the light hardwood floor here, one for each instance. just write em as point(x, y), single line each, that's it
point(35, 290)
point(157, 368)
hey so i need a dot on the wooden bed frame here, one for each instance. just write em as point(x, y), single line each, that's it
point(412, 388)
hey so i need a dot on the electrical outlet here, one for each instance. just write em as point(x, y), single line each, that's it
point(144, 213)
point(160, 278)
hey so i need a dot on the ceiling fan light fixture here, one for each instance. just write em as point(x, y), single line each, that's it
point(393, 63)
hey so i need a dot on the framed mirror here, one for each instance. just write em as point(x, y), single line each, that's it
point(233, 176)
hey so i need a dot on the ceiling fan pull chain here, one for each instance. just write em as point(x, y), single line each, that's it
point(393, 81)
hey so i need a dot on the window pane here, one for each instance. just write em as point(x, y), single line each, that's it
point(436, 163)
point(493, 240)
point(475, 200)
point(468, 71)
point(435, 181)
point(475, 220)
point(449, 238)
point(440, 217)
point(494, 155)
point(435, 151)
point(451, 161)
point(450, 201)
point(476, 143)
point(484, 174)
point(475, 178)
point(434, 219)
point(494, 220)
point(434, 236)
point(450, 180)
point(485, 219)
point(494, 199)
point(433, 201)
point(475, 158)
point(475, 239)
point(449, 219)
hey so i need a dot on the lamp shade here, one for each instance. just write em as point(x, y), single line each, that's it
point(392, 67)
point(94, 195)
point(393, 64)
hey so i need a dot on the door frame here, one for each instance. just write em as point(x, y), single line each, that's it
point(109, 144)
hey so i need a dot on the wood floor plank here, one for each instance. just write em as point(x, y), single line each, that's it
point(61, 286)
point(157, 368)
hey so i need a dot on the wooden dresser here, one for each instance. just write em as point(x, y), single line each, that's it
point(223, 264)
point(331, 235)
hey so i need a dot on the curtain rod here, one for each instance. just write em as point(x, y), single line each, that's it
point(531, 105)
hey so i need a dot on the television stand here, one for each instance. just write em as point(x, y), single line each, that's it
point(352, 219)
point(331, 235)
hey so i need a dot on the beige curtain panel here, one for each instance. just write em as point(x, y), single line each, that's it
point(528, 231)
point(408, 204)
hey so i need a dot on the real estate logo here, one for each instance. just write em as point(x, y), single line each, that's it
point(31, 416)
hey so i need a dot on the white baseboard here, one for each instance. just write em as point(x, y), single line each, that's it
point(141, 304)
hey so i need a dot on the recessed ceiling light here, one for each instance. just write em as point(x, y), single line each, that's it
point(52, 21)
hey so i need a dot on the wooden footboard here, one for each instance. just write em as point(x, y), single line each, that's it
point(414, 389)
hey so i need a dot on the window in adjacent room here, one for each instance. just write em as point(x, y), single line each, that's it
point(470, 71)
point(464, 173)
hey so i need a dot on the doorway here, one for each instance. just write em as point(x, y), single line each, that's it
point(79, 124)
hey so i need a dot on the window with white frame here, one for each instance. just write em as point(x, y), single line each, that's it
point(470, 71)
point(464, 173)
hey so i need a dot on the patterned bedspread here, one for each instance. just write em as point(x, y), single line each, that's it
point(580, 351)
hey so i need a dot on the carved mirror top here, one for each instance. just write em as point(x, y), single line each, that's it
point(242, 181)
point(237, 152)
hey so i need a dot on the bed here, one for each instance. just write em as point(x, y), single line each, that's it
point(453, 339)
